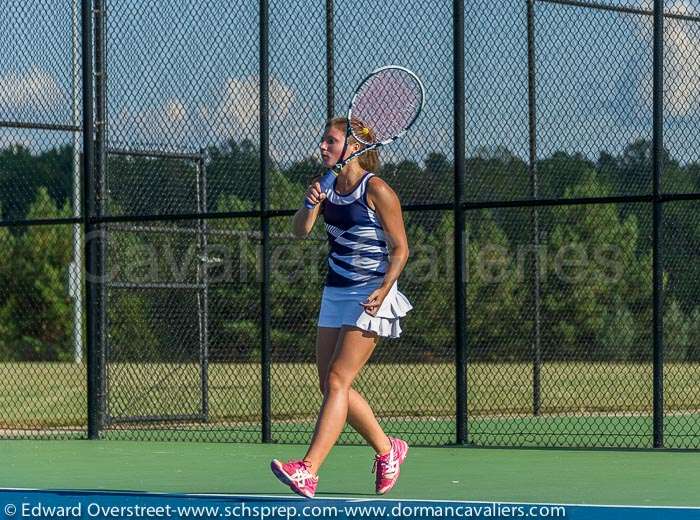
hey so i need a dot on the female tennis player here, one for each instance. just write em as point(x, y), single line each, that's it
point(360, 303)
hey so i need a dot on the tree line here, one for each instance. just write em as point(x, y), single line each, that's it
point(594, 261)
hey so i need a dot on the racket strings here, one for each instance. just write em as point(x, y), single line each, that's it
point(386, 103)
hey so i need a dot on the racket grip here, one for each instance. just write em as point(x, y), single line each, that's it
point(326, 183)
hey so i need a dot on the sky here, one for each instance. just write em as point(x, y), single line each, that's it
point(184, 74)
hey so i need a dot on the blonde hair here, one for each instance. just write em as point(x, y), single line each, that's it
point(369, 161)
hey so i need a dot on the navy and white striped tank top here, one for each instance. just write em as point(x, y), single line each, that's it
point(358, 250)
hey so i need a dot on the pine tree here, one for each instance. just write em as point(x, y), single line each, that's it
point(36, 315)
point(592, 271)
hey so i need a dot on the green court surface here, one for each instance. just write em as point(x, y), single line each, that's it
point(474, 474)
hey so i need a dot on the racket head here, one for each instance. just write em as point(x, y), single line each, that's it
point(385, 105)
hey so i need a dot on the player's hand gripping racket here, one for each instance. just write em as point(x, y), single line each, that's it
point(388, 102)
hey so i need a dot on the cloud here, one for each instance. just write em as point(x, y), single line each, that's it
point(175, 111)
point(681, 62)
point(31, 89)
point(161, 127)
point(231, 112)
point(239, 108)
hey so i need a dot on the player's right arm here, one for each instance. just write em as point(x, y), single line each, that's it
point(304, 219)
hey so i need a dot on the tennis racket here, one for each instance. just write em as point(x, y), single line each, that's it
point(388, 102)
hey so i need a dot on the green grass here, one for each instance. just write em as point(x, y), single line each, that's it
point(583, 404)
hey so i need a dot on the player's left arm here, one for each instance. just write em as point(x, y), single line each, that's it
point(384, 201)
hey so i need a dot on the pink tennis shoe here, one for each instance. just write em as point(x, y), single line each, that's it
point(388, 465)
point(296, 475)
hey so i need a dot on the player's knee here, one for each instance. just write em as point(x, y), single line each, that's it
point(336, 381)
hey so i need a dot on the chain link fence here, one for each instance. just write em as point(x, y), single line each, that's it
point(150, 285)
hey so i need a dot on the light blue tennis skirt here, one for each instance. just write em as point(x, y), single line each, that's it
point(341, 306)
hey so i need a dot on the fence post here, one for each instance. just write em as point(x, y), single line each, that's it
point(100, 193)
point(657, 225)
point(459, 168)
point(88, 209)
point(264, 221)
point(75, 287)
point(203, 280)
point(534, 193)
